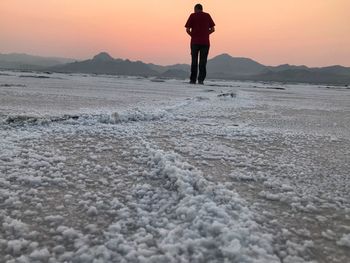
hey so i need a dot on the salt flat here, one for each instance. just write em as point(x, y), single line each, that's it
point(125, 169)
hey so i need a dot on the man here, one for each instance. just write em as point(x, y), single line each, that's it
point(199, 26)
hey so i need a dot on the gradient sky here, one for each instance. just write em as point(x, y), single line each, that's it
point(272, 32)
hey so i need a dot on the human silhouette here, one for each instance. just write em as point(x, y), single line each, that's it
point(199, 26)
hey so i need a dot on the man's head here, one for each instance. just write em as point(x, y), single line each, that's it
point(198, 8)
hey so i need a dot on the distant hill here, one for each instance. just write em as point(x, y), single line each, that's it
point(304, 75)
point(178, 71)
point(226, 66)
point(222, 66)
point(29, 62)
point(175, 73)
point(174, 68)
point(339, 70)
point(285, 67)
point(103, 63)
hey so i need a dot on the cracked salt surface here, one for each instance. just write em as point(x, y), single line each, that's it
point(115, 169)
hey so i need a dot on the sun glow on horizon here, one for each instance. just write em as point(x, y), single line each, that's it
point(272, 32)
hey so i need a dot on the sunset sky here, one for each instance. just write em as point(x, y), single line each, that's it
point(272, 32)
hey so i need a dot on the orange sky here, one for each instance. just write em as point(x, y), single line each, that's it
point(311, 32)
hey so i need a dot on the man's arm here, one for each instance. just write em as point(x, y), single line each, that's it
point(211, 30)
point(189, 31)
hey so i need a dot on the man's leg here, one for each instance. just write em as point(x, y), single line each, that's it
point(203, 57)
point(194, 64)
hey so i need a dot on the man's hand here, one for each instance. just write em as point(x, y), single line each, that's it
point(188, 30)
point(211, 30)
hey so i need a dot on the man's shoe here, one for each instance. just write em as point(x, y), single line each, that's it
point(192, 82)
point(201, 82)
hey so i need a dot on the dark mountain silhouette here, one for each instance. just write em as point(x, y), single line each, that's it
point(176, 68)
point(103, 56)
point(304, 75)
point(157, 68)
point(183, 67)
point(178, 71)
point(220, 67)
point(103, 63)
point(339, 70)
point(285, 67)
point(225, 66)
point(175, 73)
point(29, 62)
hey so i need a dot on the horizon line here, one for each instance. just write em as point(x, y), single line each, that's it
point(177, 63)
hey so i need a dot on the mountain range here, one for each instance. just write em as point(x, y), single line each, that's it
point(222, 66)
point(19, 61)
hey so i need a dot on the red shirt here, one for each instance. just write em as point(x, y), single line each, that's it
point(200, 23)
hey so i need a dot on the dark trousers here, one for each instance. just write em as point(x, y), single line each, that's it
point(200, 51)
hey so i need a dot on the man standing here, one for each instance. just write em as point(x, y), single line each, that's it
point(199, 26)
